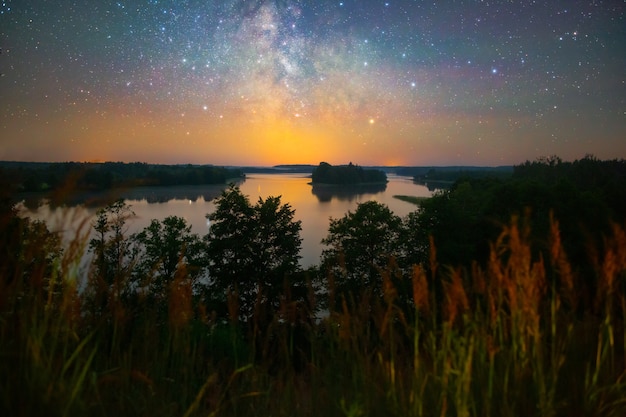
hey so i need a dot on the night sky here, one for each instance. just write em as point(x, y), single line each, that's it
point(268, 82)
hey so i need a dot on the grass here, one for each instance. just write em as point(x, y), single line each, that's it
point(411, 199)
point(513, 338)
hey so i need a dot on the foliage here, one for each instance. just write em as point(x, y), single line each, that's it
point(360, 245)
point(31, 256)
point(443, 177)
point(596, 179)
point(71, 176)
point(585, 196)
point(111, 246)
point(455, 220)
point(502, 341)
point(346, 175)
point(251, 250)
point(512, 333)
point(112, 263)
point(168, 254)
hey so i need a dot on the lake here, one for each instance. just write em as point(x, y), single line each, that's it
point(314, 205)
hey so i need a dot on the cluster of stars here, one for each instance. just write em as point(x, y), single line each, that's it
point(328, 66)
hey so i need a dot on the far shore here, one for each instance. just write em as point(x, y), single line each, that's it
point(328, 184)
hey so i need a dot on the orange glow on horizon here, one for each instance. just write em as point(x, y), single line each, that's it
point(272, 138)
point(283, 142)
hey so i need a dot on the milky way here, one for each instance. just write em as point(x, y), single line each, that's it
point(377, 82)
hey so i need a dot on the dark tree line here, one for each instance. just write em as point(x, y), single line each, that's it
point(103, 176)
point(488, 261)
point(238, 270)
point(444, 177)
point(586, 197)
point(27, 249)
point(246, 268)
point(346, 175)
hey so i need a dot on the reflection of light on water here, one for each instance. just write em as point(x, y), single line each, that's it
point(69, 222)
point(74, 226)
point(294, 189)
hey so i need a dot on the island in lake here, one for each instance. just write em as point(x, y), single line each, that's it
point(327, 174)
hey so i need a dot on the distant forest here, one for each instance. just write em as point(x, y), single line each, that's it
point(444, 177)
point(429, 171)
point(103, 176)
point(349, 174)
point(587, 196)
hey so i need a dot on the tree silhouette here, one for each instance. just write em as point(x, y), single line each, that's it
point(251, 251)
point(113, 259)
point(167, 250)
point(361, 245)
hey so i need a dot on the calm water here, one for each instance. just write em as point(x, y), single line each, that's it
point(314, 206)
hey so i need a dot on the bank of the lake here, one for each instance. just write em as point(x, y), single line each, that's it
point(411, 199)
point(314, 205)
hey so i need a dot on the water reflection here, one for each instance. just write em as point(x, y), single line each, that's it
point(165, 194)
point(57, 199)
point(152, 195)
point(325, 193)
point(314, 206)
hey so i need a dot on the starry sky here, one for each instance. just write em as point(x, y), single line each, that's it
point(264, 82)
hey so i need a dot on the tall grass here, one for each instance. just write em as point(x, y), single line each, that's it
point(514, 337)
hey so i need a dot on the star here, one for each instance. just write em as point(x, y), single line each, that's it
point(316, 70)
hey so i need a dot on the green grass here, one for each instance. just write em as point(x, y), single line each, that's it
point(411, 199)
point(514, 338)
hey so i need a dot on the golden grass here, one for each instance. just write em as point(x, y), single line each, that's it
point(514, 337)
